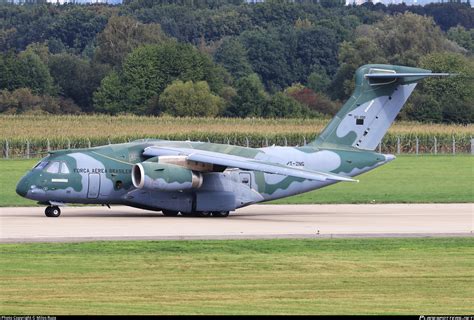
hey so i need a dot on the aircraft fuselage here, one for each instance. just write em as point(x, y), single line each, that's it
point(103, 175)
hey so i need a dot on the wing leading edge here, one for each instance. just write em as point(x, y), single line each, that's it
point(232, 161)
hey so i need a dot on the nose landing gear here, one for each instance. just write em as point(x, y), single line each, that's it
point(52, 211)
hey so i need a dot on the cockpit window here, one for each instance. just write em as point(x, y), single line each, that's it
point(40, 165)
point(53, 167)
point(64, 168)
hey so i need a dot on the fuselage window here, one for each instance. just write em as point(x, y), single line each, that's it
point(53, 167)
point(64, 168)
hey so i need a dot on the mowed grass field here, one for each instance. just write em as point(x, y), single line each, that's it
point(344, 276)
point(407, 179)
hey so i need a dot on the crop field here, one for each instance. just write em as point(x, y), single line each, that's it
point(343, 276)
point(61, 132)
point(408, 179)
point(41, 126)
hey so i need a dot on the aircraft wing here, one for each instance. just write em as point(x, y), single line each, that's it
point(405, 75)
point(232, 161)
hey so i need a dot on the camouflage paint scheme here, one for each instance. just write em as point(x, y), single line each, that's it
point(104, 175)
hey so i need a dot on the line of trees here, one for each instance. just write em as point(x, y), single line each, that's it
point(228, 58)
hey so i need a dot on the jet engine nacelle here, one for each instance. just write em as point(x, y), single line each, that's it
point(164, 177)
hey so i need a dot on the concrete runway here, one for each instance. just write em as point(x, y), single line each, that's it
point(254, 222)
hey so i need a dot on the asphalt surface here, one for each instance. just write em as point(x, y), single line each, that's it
point(29, 224)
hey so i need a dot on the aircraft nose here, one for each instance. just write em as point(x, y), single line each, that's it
point(22, 186)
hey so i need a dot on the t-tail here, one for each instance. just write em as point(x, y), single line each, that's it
point(379, 95)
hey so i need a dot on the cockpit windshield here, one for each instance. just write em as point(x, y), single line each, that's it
point(40, 165)
point(53, 167)
point(64, 168)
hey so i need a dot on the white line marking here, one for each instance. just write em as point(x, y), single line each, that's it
point(59, 180)
point(370, 105)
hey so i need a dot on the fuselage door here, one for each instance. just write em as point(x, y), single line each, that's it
point(94, 185)
point(246, 178)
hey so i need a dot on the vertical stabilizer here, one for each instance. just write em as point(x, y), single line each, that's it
point(379, 95)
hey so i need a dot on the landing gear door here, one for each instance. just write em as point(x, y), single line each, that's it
point(246, 179)
point(94, 185)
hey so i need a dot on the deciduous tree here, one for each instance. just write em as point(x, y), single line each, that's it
point(121, 35)
point(283, 106)
point(250, 100)
point(148, 70)
point(25, 70)
point(233, 56)
point(77, 78)
point(190, 99)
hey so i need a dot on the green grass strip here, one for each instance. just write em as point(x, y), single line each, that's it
point(330, 276)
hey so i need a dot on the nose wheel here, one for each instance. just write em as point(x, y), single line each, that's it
point(52, 211)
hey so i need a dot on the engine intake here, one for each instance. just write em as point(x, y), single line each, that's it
point(164, 177)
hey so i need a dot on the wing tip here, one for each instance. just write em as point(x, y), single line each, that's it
point(343, 179)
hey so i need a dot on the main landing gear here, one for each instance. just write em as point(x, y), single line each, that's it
point(169, 213)
point(52, 211)
point(215, 214)
point(220, 214)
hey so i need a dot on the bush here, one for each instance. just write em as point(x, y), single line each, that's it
point(190, 99)
point(24, 101)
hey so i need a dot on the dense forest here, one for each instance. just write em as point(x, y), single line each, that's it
point(229, 58)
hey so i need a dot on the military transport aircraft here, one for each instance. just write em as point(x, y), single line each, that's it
point(209, 179)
